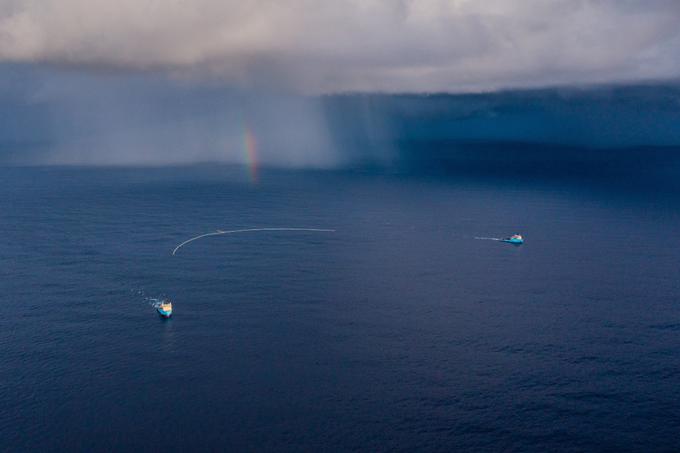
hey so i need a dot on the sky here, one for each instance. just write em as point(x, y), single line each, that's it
point(314, 46)
point(328, 83)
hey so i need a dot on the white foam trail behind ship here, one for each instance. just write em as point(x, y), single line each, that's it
point(247, 230)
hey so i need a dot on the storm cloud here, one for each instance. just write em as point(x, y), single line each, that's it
point(313, 46)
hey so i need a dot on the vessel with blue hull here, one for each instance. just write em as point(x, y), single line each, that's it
point(165, 309)
point(516, 239)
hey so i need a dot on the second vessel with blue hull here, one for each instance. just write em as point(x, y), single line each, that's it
point(516, 239)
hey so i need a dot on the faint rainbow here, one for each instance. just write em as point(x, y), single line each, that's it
point(250, 148)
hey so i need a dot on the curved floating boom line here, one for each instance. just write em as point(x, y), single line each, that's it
point(247, 230)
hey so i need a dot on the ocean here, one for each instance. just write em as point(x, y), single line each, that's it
point(397, 331)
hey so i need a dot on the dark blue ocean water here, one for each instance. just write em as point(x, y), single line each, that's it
point(399, 331)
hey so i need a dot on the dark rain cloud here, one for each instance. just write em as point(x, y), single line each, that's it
point(355, 45)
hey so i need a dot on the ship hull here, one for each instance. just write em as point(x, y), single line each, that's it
point(164, 314)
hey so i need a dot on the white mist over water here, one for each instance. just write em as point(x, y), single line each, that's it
point(68, 117)
point(151, 119)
